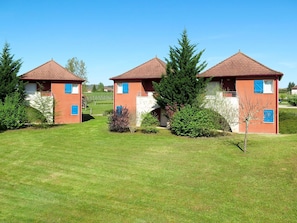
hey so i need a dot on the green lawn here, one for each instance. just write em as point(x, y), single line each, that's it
point(98, 103)
point(288, 120)
point(83, 173)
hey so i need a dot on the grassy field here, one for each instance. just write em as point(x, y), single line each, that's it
point(84, 173)
point(98, 103)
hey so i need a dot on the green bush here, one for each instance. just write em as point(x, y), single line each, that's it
point(194, 122)
point(292, 100)
point(149, 123)
point(12, 112)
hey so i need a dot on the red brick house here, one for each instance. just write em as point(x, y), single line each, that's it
point(236, 76)
point(134, 89)
point(54, 90)
point(241, 77)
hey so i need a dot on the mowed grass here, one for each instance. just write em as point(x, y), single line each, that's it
point(98, 103)
point(84, 173)
point(288, 120)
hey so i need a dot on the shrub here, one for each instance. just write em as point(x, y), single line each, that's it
point(149, 123)
point(119, 120)
point(12, 112)
point(108, 112)
point(193, 122)
point(292, 100)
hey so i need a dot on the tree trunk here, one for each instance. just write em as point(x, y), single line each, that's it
point(245, 135)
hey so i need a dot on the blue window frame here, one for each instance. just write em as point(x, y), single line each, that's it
point(258, 86)
point(268, 116)
point(68, 88)
point(125, 88)
point(119, 109)
point(74, 110)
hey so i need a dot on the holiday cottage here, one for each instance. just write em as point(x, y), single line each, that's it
point(55, 92)
point(234, 79)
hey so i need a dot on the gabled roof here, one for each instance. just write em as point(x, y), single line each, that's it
point(151, 69)
point(51, 70)
point(239, 65)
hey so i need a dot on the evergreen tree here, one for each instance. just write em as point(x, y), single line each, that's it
point(94, 89)
point(100, 87)
point(290, 86)
point(180, 85)
point(10, 83)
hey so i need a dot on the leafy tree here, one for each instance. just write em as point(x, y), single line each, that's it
point(78, 67)
point(100, 87)
point(290, 86)
point(10, 83)
point(250, 108)
point(180, 86)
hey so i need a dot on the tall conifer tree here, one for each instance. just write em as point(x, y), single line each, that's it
point(9, 81)
point(180, 86)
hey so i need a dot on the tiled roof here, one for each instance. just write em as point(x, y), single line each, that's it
point(239, 65)
point(151, 69)
point(295, 87)
point(51, 70)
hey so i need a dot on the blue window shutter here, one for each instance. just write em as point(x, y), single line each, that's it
point(258, 86)
point(125, 88)
point(68, 88)
point(119, 110)
point(74, 110)
point(268, 115)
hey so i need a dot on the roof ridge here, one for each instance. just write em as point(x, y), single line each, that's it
point(236, 54)
point(162, 63)
point(37, 67)
point(257, 62)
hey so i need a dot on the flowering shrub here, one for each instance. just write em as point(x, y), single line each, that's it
point(118, 121)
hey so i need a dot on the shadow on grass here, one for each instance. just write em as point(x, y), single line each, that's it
point(87, 117)
point(237, 144)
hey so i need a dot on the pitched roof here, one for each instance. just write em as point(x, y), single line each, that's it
point(239, 65)
point(295, 87)
point(51, 70)
point(151, 69)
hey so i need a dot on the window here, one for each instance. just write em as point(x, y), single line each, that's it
point(123, 88)
point(119, 110)
point(263, 86)
point(268, 116)
point(71, 89)
point(74, 110)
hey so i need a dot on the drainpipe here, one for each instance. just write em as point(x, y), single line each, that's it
point(277, 106)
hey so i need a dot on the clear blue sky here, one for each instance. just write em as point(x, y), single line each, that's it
point(114, 36)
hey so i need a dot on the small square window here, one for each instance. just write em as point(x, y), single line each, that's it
point(71, 88)
point(74, 110)
point(263, 86)
point(122, 88)
point(268, 116)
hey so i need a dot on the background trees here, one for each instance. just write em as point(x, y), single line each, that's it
point(180, 86)
point(290, 86)
point(78, 67)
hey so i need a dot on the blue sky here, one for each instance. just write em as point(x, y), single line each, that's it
point(114, 36)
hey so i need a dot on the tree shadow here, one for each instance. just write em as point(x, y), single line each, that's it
point(87, 117)
point(237, 144)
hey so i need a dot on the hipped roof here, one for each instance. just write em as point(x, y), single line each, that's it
point(52, 71)
point(151, 69)
point(239, 65)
